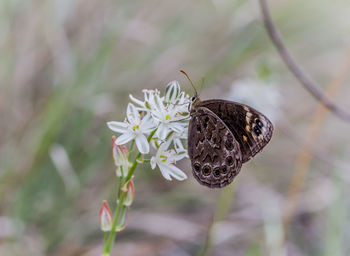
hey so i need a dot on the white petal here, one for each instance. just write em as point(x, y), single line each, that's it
point(155, 143)
point(138, 102)
point(118, 171)
point(165, 171)
point(153, 162)
point(132, 114)
point(177, 127)
point(180, 155)
point(178, 145)
point(157, 116)
point(147, 124)
point(176, 172)
point(124, 138)
point(162, 131)
point(120, 127)
point(159, 104)
point(142, 144)
point(161, 150)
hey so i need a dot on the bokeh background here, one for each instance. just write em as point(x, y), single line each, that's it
point(68, 66)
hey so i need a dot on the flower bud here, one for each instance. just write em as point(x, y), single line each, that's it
point(120, 155)
point(113, 141)
point(129, 187)
point(106, 218)
point(172, 91)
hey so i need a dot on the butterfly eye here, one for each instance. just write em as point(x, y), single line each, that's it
point(224, 169)
point(206, 170)
point(217, 172)
point(193, 98)
point(259, 123)
point(257, 131)
point(197, 167)
point(229, 160)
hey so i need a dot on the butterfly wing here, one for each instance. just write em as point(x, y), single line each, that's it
point(251, 129)
point(215, 155)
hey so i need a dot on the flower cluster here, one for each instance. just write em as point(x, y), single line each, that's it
point(156, 126)
point(158, 122)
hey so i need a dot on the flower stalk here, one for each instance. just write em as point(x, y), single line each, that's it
point(155, 124)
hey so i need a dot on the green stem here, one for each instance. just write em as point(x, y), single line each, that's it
point(121, 197)
point(105, 237)
point(112, 234)
point(121, 184)
point(134, 164)
point(131, 146)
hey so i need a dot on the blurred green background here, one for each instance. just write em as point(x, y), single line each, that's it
point(68, 66)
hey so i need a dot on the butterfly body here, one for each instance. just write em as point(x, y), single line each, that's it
point(222, 135)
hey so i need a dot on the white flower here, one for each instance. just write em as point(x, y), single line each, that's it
point(148, 99)
point(177, 141)
point(135, 128)
point(175, 98)
point(165, 160)
point(168, 111)
point(168, 117)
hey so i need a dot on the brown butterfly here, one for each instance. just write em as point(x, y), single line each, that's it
point(222, 135)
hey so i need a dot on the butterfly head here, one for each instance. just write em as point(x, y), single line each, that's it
point(195, 102)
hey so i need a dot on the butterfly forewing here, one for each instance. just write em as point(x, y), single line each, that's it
point(250, 128)
point(214, 152)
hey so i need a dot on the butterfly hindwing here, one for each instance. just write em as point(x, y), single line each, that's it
point(251, 129)
point(214, 152)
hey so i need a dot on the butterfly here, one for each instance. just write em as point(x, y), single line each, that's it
point(222, 135)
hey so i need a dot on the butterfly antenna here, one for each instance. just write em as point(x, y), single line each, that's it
point(183, 72)
point(202, 84)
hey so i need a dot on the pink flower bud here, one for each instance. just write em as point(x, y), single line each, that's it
point(113, 142)
point(130, 193)
point(121, 161)
point(106, 218)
